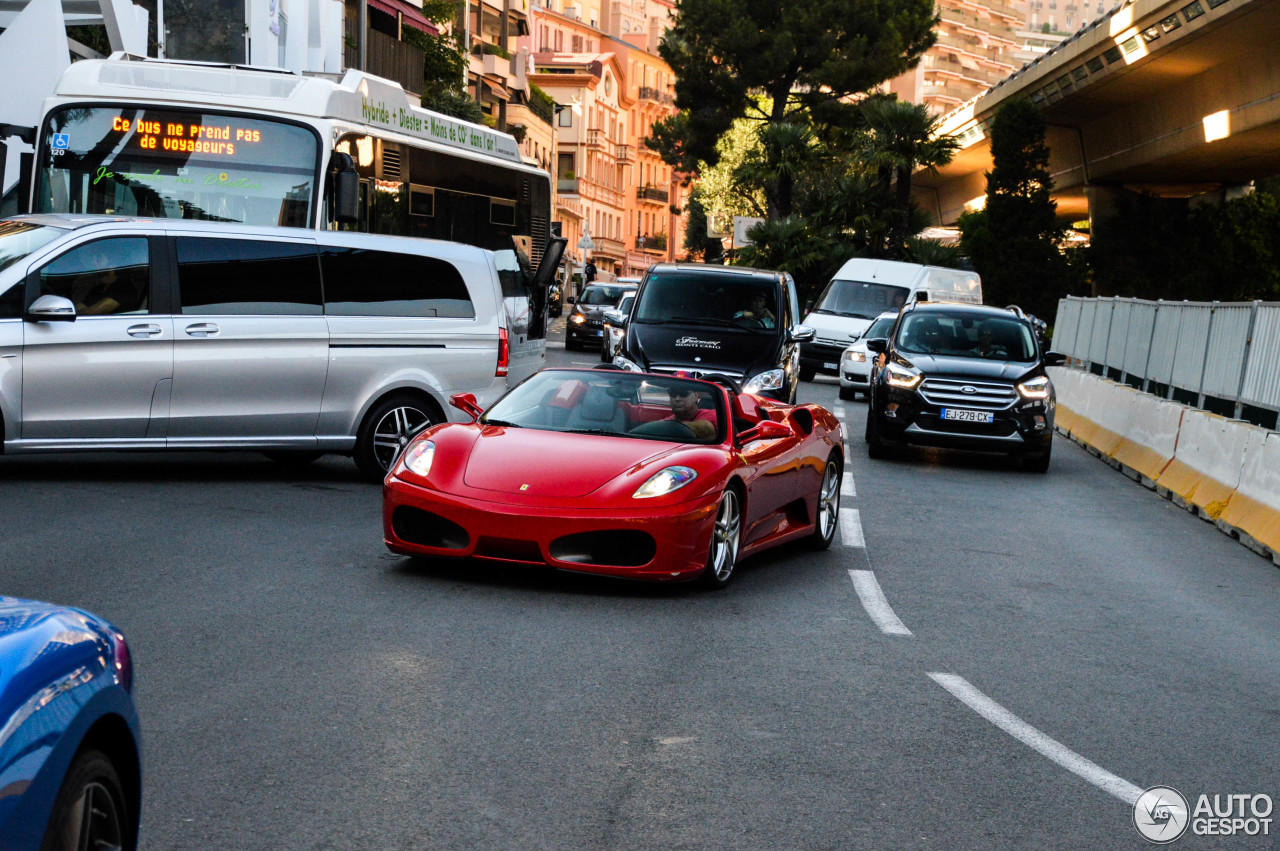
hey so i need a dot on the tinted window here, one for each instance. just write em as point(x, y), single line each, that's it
point(599, 294)
point(102, 278)
point(701, 298)
point(11, 301)
point(240, 276)
point(358, 282)
point(18, 239)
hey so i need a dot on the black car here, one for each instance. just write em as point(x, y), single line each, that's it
point(729, 321)
point(586, 320)
point(964, 377)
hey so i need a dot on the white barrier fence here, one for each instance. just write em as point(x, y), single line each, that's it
point(1216, 355)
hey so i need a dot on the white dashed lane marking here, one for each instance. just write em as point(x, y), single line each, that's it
point(847, 488)
point(851, 528)
point(873, 600)
point(1037, 741)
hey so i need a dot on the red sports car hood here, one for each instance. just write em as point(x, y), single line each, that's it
point(553, 464)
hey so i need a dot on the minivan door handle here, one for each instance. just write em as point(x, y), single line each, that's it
point(143, 330)
point(202, 329)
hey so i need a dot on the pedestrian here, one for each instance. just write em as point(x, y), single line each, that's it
point(589, 272)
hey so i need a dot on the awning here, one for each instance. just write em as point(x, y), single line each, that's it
point(498, 90)
point(413, 16)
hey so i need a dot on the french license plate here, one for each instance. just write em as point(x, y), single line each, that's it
point(962, 416)
point(599, 333)
point(829, 366)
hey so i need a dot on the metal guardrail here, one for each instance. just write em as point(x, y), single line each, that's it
point(1220, 356)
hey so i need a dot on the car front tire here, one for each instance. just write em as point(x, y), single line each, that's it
point(808, 372)
point(90, 810)
point(875, 443)
point(848, 394)
point(1039, 463)
point(722, 555)
point(827, 514)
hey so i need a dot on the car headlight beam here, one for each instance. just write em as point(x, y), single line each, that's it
point(770, 379)
point(418, 456)
point(1035, 388)
point(665, 481)
point(900, 376)
point(577, 319)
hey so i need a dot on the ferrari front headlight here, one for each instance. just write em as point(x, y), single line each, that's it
point(900, 376)
point(664, 482)
point(1035, 388)
point(770, 379)
point(418, 457)
point(628, 365)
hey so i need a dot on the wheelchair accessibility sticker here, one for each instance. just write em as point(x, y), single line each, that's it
point(60, 143)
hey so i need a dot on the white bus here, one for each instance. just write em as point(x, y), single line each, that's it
point(141, 137)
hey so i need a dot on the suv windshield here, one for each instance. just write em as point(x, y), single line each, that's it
point(860, 298)
point(707, 299)
point(966, 336)
point(607, 295)
point(19, 239)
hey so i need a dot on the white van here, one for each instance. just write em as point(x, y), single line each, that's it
point(865, 288)
point(120, 333)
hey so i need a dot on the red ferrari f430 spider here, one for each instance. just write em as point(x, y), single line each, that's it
point(635, 475)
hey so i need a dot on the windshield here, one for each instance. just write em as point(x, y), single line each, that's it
point(618, 404)
point(959, 335)
point(176, 164)
point(880, 328)
point(707, 299)
point(860, 298)
point(598, 295)
point(19, 239)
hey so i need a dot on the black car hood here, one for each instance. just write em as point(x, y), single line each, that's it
point(592, 311)
point(969, 367)
point(702, 347)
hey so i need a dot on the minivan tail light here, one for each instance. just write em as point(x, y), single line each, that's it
point(504, 353)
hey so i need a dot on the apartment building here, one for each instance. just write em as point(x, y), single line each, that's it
point(598, 59)
point(977, 46)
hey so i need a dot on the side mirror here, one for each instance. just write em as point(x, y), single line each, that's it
point(879, 345)
point(51, 308)
point(1054, 358)
point(801, 334)
point(572, 300)
point(346, 189)
point(466, 402)
point(766, 430)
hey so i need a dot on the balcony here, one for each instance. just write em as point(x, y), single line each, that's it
point(567, 186)
point(655, 242)
point(606, 247)
point(391, 59)
point(626, 154)
point(653, 194)
point(647, 93)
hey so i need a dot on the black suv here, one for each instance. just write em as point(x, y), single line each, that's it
point(964, 377)
point(586, 320)
point(730, 321)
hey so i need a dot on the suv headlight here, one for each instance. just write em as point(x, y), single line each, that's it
point(770, 379)
point(664, 482)
point(900, 376)
point(1035, 388)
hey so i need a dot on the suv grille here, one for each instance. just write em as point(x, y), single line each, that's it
point(986, 395)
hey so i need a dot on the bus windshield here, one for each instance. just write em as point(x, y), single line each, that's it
point(176, 163)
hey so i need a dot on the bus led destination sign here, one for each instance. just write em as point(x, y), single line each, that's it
point(181, 137)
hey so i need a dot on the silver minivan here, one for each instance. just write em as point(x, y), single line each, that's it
point(121, 334)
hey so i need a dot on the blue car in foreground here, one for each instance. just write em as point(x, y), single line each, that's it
point(70, 772)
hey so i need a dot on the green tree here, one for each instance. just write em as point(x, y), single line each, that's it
point(1013, 242)
point(697, 244)
point(444, 64)
point(901, 137)
point(806, 59)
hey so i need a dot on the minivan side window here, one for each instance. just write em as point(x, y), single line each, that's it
point(106, 277)
point(247, 277)
point(361, 282)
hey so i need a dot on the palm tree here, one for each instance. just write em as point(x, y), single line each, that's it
point(900, 138)
point(785, 151)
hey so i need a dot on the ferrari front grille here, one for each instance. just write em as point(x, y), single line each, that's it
point(613, 548)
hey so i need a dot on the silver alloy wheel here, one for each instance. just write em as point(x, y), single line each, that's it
point(97, 819)
point(724, 539)
point(394, 431)
point(829, 501)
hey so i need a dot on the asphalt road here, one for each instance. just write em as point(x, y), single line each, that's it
point(302, 688)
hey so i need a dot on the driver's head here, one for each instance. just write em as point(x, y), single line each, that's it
point(684, 402)
point(757, 302)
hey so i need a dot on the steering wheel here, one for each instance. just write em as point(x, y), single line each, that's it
point(724, 381)
point(665, 428)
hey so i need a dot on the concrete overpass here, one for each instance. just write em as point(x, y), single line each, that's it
point(1175, 98)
